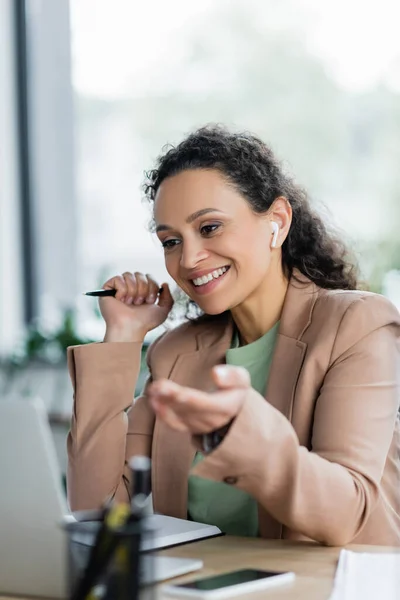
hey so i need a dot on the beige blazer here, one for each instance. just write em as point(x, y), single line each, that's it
point(320, 453)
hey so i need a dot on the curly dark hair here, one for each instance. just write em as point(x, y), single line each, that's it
point(250, 166)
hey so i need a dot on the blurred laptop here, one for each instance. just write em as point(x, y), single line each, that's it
point(33, 545)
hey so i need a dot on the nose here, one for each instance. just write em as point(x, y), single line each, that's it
point(192, 253)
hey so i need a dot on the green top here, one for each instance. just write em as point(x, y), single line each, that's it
point(234, 511)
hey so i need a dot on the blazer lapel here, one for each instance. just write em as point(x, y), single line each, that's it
point(173, 452)
point(286, 365)
point(289, 350)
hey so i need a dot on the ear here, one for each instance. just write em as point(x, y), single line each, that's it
point(280, 213)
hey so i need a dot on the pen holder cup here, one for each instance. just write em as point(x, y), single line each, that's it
point(127, 576)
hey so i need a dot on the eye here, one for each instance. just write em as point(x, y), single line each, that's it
point(209, 229)
point(169, 244)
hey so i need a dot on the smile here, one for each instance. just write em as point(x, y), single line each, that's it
point(209, 277)
point(206, 283)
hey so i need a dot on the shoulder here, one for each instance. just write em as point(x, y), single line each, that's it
point(369, 309)
point(353, 315)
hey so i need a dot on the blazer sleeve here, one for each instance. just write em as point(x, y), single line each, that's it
point(107, 426)
point(328, 493)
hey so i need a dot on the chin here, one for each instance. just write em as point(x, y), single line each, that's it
point(213, 308)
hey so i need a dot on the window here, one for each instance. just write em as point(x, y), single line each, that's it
point(110, 83)
point(299, 74)
point(11, 262)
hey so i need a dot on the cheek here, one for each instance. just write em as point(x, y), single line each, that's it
point(251, 234)
point(260, 241)
point(255, 255)
point(253, 247)
point(172, 264)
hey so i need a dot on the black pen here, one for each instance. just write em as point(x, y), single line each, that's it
point(103, 293)
point(125, 580)
point(141, 488)
point(107, 540)
point(141, 484)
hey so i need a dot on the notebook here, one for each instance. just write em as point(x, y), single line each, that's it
point(166, 532)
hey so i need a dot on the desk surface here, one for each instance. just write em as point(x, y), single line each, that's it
point(314, 565)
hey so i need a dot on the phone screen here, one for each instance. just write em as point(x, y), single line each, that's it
point(227, 579)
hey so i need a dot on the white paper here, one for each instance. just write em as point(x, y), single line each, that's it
point(367, 576)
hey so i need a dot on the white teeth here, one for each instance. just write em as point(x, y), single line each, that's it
point(210, 276)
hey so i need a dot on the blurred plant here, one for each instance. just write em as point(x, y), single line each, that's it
point(48, 347)
point(40, 348)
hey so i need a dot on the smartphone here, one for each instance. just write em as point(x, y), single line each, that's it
point(229, 584)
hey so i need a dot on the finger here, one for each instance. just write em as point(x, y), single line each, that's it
point(199, 417)
point(131, 286)
point(142, 288)
point(168, 416)
point(165, 390)
point(182, 417)
point(152, 287)
point(116, 283)
point(228, 376)
point(199, 411)
point(188, 402)
point(185, 402)
point(166, 300)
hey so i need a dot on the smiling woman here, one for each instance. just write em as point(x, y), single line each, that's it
point(199, 189)
point(285, 393)
point(226, 239)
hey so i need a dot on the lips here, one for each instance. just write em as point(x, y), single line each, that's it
point(204, 279)
point(207, 282)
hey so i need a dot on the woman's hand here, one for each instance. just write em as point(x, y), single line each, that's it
point(187, 409)
point(134, 311)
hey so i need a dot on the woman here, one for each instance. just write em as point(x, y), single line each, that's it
point(276, 412)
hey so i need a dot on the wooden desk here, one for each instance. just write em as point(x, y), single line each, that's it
point(313, 565)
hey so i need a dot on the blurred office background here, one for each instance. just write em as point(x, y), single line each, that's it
point(91, 90)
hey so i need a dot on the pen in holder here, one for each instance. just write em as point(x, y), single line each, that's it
point(129, 568)
point(114, 569)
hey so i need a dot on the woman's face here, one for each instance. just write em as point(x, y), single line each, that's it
point(216, 248)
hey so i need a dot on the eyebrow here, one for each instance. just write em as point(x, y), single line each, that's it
point(190, 219)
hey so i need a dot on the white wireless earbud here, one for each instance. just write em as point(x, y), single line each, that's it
point(275, 231)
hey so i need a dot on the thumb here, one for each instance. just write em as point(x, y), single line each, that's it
point(165, 299)
point(227, 376)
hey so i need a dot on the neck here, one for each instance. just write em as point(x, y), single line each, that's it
point(262, 309)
